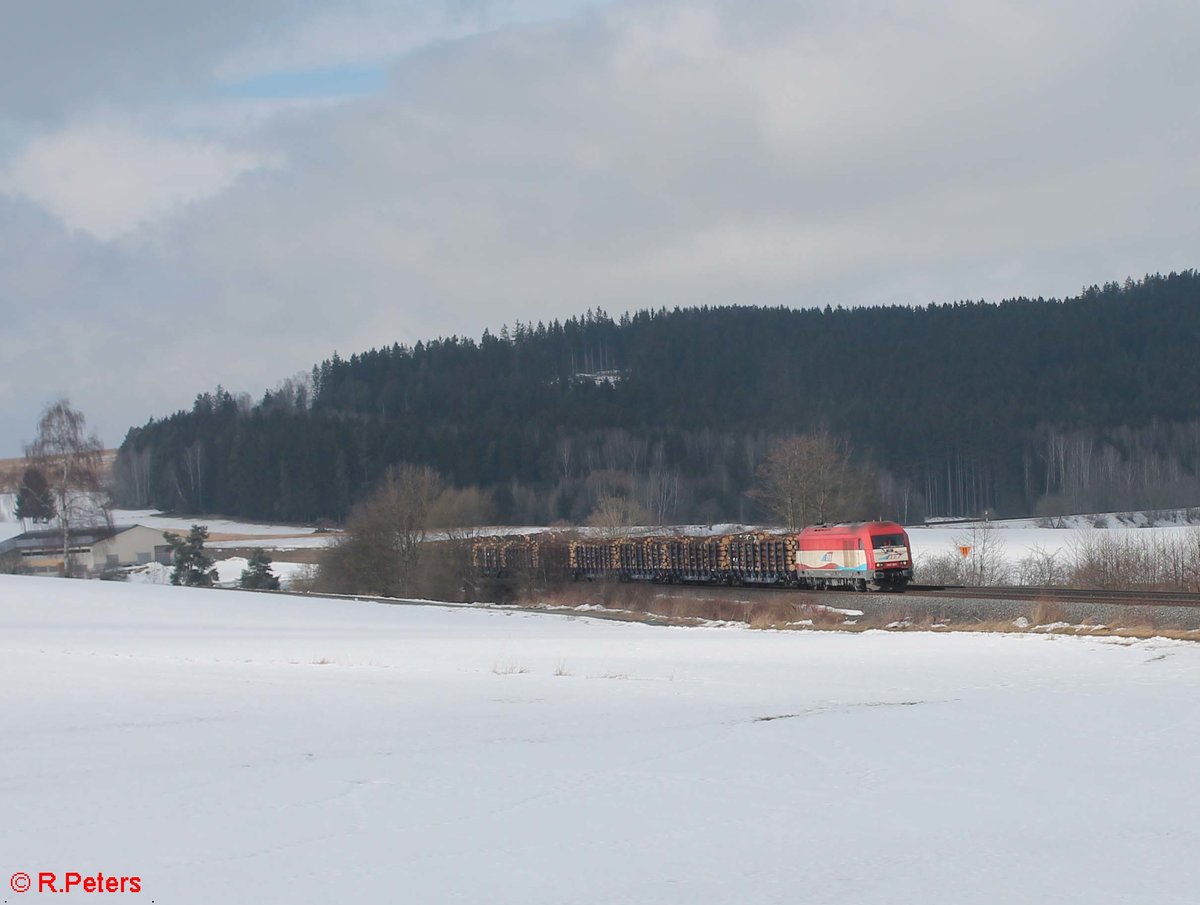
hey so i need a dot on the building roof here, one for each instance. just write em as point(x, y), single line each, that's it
point(50, 539)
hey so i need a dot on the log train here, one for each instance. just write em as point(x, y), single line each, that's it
point(862, 556)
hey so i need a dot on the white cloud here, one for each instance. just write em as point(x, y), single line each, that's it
point(110, 181)
point(652, 153)
point(763, 251)
point(60, 58)
point(375, 31)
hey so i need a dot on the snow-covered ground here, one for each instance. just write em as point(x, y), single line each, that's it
point(229, 747)
point(228, 572)
point(155, 519)
point(307, 536)
point(1017, 539)
point(9, 525)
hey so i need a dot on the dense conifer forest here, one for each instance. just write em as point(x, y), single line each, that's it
point(1028, 406)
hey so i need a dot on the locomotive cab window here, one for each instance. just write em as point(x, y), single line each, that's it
point(879, 541)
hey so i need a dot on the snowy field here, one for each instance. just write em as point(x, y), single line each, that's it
point(230, 747)
point(307, 536)
point(229, 571)
point(1021, 537)
point(154, 519)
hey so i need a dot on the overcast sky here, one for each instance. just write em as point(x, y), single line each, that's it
point(228, 191)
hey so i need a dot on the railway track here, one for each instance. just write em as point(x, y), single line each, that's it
point(1133, 597)
point(1169, 610)
point(959, 592)
point(1061, 595)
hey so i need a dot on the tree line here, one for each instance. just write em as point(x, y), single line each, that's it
point(1030, 405)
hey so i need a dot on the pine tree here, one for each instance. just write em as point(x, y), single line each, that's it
point(35, 500)
point(257, 576)
point(192, 566)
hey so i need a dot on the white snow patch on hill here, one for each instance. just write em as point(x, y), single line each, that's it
point(229, 571)
point(155, 519)
point(254, 748)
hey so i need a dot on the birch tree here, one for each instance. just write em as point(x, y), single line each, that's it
point(72, 461)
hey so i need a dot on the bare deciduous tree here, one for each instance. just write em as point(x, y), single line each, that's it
point(460, 512)
point(72, 461)
point(986, 562)
point(977, 559)
point(1042, 568)
point(132, 476)
point(811, 478)
point(615, 515)
point(380, 550)
point(457, 513)
point(660, 493)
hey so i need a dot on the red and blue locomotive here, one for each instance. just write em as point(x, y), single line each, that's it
point(861, 555)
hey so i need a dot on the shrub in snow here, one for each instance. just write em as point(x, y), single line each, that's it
point(192, 566)
point(257, 576)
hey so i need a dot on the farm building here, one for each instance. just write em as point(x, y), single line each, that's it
point(93, 549)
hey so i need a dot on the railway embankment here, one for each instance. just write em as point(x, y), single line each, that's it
point(963, 606)
point(985, 609)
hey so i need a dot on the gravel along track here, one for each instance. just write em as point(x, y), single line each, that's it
point(1076, 611)
point(1167, 610)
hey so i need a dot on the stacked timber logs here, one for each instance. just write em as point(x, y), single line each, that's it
point(760, 556)
point(754, 558)
point(517, 554)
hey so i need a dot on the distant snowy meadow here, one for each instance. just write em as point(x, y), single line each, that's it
point(242, 747)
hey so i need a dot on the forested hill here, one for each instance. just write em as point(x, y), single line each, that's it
point(1027, 405)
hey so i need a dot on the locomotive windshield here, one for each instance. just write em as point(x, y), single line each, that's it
point(879, 541)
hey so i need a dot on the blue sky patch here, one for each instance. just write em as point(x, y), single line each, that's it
point(333, 81)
